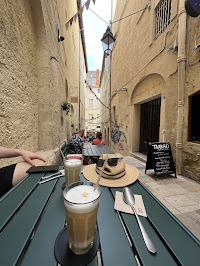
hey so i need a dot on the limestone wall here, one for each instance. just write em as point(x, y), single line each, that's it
point(18, 75)
point(145, 68)
point(38, 73)
point(191, 150)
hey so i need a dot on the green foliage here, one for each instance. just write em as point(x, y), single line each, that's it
point(66, 106)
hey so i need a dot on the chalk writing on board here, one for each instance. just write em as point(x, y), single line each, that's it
point(159, 158)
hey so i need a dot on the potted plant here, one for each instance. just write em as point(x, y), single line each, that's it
point(66, 106)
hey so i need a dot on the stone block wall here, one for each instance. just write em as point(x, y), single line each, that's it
point(137, 59)
point(38, 73)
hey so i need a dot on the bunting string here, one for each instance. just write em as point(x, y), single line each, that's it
point(80, 12)
point(87, 6)
point(96, 13)
point(96, 96)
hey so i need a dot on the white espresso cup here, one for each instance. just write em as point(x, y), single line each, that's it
point(81, 206)
point(72, 170)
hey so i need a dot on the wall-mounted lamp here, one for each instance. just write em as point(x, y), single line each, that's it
point(108, 43)
point(61, 38)
point(197, 47)
point(122, 89)
point(192, 7)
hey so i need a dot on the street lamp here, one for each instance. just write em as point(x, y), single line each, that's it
point(108, 43)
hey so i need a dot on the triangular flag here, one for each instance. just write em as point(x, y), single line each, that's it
point(67, 25)
point(87, 4)
point(94, 1)
point(71, 20)
point(81, 11)
point(75, 16)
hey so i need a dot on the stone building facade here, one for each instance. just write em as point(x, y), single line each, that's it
point(92, 104)
point(38, 71)
point(155, 77)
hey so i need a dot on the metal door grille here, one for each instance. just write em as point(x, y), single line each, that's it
point(149, 124)
point(163, 16)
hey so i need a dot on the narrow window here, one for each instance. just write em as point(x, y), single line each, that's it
point(98, 119)
point(90, 102)
point(163, 16)
point(194, 114)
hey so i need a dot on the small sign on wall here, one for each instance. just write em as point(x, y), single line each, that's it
point(74, 99)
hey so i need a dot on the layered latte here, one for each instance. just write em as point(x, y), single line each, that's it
point(81, 207)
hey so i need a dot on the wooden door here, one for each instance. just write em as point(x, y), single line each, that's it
point(149, 124)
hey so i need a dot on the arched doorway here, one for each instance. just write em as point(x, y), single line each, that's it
point(108, 137)
point(149, 124)
point(148, 112)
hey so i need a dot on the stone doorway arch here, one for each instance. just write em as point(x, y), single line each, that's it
point(148, 89)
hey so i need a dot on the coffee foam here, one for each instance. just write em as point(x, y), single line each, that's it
point(80, 195)
point(73, 162)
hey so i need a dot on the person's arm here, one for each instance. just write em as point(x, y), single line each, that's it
point(81, 144)
point(26, 155)
point(9, 153)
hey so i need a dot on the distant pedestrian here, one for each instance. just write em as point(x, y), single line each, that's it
point(98, 140)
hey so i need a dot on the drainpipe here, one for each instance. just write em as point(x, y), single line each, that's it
point(110, 122)
point(79, 83)
point(181, 83)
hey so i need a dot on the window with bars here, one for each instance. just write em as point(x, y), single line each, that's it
point(163, 16)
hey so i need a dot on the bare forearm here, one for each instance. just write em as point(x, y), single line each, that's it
point(9, 152)
point(26, 155)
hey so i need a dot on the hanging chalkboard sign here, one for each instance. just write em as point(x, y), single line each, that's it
point(159, 158)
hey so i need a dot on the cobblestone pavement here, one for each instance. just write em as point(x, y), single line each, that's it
point(180, 195)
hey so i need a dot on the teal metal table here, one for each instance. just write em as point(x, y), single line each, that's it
point(90, 150)
point(32, 215)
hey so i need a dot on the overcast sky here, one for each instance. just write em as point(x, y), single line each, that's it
point(94, 28)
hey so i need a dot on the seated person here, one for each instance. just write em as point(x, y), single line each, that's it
point(98, 139)
point(85, 139)
point(92, 138)
point(14, 173)
point(76, 143)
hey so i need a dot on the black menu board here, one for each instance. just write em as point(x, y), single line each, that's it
point(159, 158)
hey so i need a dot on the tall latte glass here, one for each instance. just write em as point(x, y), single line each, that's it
point(72, 170)
point(81, 207)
